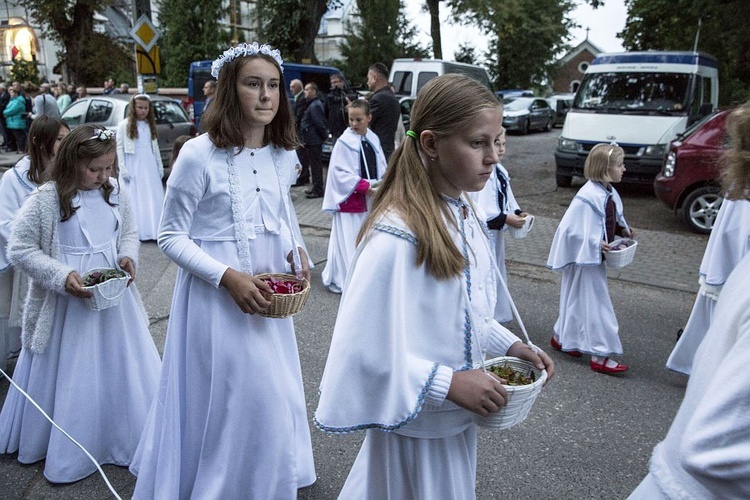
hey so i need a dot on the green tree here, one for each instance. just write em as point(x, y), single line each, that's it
point(190, 31)
point(292, 25)
point(673, 25)
point(87, 56)
point(466, 54)
point(381, 33)
point(24, 71)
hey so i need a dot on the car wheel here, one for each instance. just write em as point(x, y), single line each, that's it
point(525, 127)
point(564, 181)
point(701, 208)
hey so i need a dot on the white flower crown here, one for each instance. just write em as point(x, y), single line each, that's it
point(102, 134)
point(245, 49)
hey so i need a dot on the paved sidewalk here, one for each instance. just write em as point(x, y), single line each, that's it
point(666, 260)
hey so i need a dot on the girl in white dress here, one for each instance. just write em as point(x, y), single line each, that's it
point(357, 162)
point(16, 184)
point(502, 211)
point(93, 372)
point(141, 166)
point(706, 452)
point(728, 244)
point(230, 419)
point(586, 322)
point(419, 296)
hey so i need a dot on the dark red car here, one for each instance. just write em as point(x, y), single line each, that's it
point(688, 181)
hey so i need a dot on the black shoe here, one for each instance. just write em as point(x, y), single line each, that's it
point(308, 191)
point(312, 195)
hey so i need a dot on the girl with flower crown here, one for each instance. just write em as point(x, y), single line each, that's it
point(141, 166)
point(93, 372)
point(230, 420)
point(586, 322)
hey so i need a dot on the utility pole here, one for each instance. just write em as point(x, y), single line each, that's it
point(146, 52)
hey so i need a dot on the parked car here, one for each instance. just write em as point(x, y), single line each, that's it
point(108, 110)
point(522, 114)
point(688, 181)
point(560, 103)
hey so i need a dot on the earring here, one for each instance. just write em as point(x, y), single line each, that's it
point(433, 159)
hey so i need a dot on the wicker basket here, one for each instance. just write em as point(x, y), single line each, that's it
point(523, 231)
point(286, 304)
point(520, 397)
point(107, 294)
point(621, 258)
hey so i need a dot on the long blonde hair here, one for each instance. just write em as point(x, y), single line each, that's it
point(445, 106)
point(735, 173)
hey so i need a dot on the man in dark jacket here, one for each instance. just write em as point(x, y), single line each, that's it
point(384, 107)
point(336, 102)
point(313, 133)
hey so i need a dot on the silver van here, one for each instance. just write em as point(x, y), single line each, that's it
point(408, 76)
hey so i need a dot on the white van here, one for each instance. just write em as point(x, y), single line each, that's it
point(641, 100)
point(410, 75)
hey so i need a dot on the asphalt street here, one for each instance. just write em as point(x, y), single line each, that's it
point(588, 436)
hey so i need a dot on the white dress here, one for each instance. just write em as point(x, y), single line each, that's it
point(417, 444)
point(343, 177)
point(229, 419)
point(706, 452)
point(488, 201)
point(586, 320)
point(142, 176)
point(728, 244)
point(98, 373)
point(15, 186)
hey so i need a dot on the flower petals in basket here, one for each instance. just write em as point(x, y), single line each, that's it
point(520, 397)
point(622, 251)
point(106, 286)
point(289, 297)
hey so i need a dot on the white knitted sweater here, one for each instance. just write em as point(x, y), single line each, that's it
point(34, 247)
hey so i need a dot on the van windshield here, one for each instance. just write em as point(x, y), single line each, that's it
point(635, 93)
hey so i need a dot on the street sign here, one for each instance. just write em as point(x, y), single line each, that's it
point(144, 33)
point(148, 63)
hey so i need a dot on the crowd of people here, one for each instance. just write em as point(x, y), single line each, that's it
point(425, 217)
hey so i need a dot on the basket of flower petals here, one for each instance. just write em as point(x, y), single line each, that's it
point(621, 252)
point(106, 287)
point(523, 383)
point(289, 294)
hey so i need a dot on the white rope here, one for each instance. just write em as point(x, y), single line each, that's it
point(98, 467)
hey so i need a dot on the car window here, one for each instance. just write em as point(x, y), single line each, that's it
point(76, 113)
point(540, 104)
point(169, 112)
point(99, 111)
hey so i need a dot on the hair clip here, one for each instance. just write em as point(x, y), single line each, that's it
point(612, 146)
point(102, 134)
point(412, 134)
point(245, 49)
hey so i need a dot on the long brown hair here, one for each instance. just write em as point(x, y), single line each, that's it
point(735, 173)
point(445, 106)
point(43, 135)
point(133, 121)
point(76, 151)
point(223, 119)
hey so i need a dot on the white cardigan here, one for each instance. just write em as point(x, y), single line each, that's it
point(34, 248)
point(127, 145)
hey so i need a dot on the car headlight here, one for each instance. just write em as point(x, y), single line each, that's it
point(567, 144)
point(655, 150)
point(670, 164)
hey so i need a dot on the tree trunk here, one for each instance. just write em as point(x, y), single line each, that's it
point(437, 47)
point(309, 30)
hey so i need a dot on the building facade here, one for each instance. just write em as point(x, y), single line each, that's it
point(572, 66)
